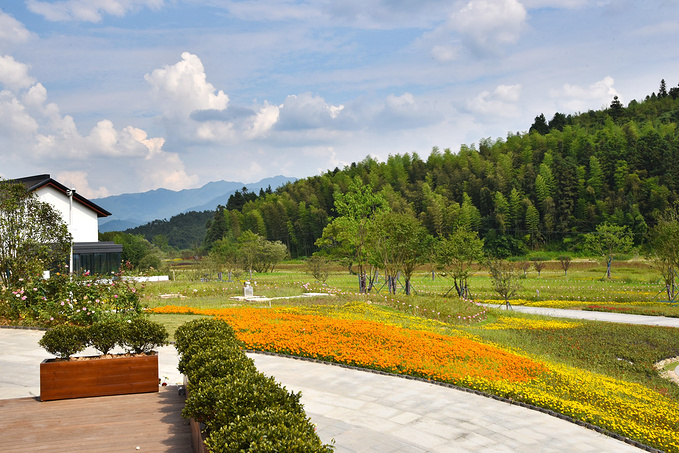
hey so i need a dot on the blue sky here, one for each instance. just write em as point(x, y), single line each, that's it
point(116, 96)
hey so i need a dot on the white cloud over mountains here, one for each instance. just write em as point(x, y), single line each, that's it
point(34, 129)
point(130, 95)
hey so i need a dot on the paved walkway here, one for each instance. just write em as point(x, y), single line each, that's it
point(363, 411)
point(594, 315)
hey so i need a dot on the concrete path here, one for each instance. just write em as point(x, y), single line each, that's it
point(594, 315)
point(363, 411)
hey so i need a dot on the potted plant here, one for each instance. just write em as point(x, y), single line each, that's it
point(107, 374)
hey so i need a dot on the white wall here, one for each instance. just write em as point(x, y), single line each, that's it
point(85, 226)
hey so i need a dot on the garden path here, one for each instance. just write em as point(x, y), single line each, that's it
point(594, 315)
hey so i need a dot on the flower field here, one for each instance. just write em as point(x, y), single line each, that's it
point(478, 357)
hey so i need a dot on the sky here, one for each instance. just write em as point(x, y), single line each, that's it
point(125, 96)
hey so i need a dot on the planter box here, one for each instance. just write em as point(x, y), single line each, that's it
point(98, 377)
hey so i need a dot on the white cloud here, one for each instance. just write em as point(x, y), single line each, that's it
point(80, 181)
point(502, 102)
point(47, 138)
point(11, 30)
point(265, 119)
point(183, 88)
point(13, 74)
point(486, 25)
point(575, 98)
point(160, 168)
point(307, 111)
point(88, 10)
point(15, 122)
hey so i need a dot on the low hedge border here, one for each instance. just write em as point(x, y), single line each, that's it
point(240, 408)
point(596, 428)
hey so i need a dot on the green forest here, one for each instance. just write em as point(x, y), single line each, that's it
point(544, 189)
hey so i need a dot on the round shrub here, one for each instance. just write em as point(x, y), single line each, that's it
point(105, 335)
point(218, 402)
point(204, 344)
point(269, 430)
point(65, 340)
point(193, 331)
point(142, 335)
point(217, 361)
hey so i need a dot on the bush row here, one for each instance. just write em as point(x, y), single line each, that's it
point(138, 335)
point(241, 409)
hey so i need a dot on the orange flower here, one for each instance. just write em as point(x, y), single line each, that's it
point(372, 345)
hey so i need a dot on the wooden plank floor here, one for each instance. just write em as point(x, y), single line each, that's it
point(150, 421)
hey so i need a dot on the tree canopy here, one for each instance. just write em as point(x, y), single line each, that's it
point(33, 236)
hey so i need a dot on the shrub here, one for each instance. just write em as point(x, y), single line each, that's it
point(64, 341)
point(104, 335)
point(142, 335)
point(218, 360)
point(269, 430)
point(198, 329)
point(226, 388)
point(217, 402)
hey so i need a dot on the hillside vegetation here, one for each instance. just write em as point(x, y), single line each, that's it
point(537, 190)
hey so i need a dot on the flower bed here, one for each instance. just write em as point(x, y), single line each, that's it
point(629, 409)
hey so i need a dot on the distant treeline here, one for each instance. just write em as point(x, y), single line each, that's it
point(533, 190)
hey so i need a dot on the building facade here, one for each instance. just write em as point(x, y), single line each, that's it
point(82, 218)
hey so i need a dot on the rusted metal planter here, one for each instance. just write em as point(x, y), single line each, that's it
point(94, 376)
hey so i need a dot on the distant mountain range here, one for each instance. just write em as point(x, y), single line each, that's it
point(133, 209)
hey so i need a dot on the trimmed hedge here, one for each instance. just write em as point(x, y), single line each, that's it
point(270, 430)
point(138, 335)
point(242, 409)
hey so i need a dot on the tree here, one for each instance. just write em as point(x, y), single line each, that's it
point(504, 278)
point(258, 254)
point(540, 125)
point(539, 264)
point(400, 243)
point(616, 108)
point(33, 235)
point(347, 235)
point(665, 246)
point(224, 256)
point(608, 240)
point(456, 255)
point(319, 267)
point(662, 91)
point(565, 263)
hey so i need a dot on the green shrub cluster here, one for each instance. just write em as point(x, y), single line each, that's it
point(241, 409)
point(138, 335)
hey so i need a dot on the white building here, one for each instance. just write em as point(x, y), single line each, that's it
point(81, 216)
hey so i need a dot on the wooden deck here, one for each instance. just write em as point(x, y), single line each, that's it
point(115, 424)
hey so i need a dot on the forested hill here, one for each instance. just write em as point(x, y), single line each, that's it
point(530, 190)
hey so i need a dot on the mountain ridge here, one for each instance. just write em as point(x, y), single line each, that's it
point(134, 209)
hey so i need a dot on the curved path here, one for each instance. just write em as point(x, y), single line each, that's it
point(369, 412)
point(363, 411)
point(594, 315)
